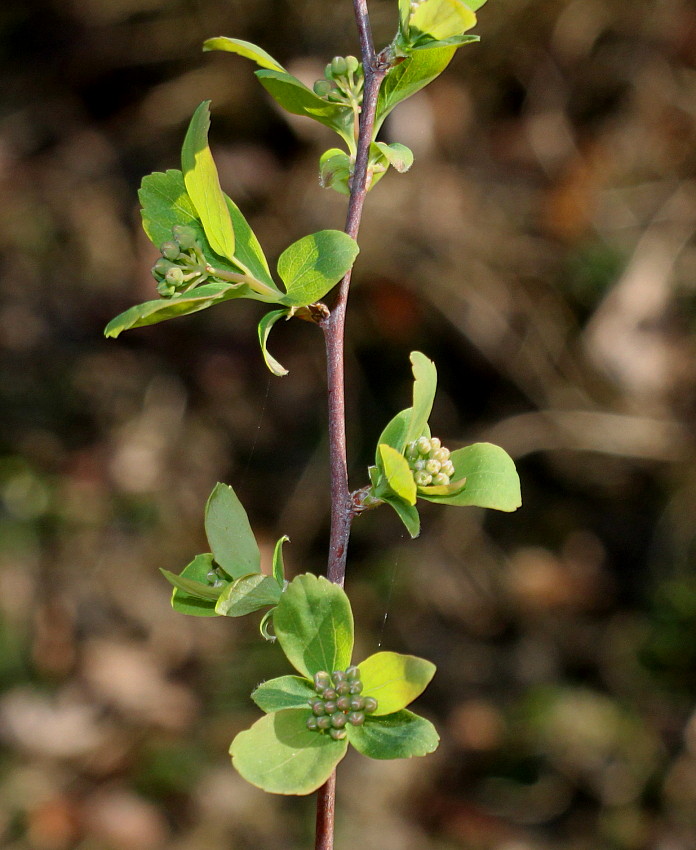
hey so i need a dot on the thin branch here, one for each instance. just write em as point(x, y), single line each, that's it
point(342, 507)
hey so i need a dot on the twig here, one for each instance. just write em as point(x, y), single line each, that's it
point(342, 506)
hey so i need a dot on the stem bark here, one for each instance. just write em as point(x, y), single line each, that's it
point(342, 505)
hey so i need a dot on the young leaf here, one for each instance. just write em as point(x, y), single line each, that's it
point(196, 571)
point(397, 736)
point(165, 202)
point(283, 692)
point(229, 533)
point(335, 168)
point(314, 624)
point(491, 479)
point(440, 19)
point(280, 755)
point(397, 155)
point(247, 594)
point(197, 589)
point(246, 246)
point(424, 387)
point(295, 97)
point(153, 312)
point(474, 5)
point(413, 74)
point(278, 565)
point(427, 43)
point(203, 184)
point(408, 514)
point(394, 680)
point(404, 15)
point(246, 49)
point(398, 473)
point(264, 330)
point(310, 267)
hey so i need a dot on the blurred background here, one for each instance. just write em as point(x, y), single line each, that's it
point(541, 250)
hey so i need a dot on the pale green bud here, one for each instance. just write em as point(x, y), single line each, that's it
point(424, 445)
point(441, 480)
point(323, 88)
point(435, 443)
point(339, 66)
point(433, 466)
point(184, 236)
point(448, 468)
point(352, 64)
point(175, 276)
point(170, 250)
point(422, 479)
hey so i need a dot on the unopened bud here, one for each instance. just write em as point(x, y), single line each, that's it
point(322, 680)
point(323, 88)
point(337, 734)
point(422, 479)
point(424, 445)
point(339, 66)
point(161, 267)
point(165, 289)
point(441, 480)
point(352, 64)
point(170, 250)
point(184, 236)
point(175, 276)
point(356, 718)
point(370, 705)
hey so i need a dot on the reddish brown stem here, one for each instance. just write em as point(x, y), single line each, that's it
point(342, 506)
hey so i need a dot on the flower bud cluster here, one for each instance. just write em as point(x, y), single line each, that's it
point(338, 702)
point(429, 462)
point(215, 578)
point(342, 81)
point(182, 264)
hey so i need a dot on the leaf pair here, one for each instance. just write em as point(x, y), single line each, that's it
point(481, 474)
point(230, 257)
point(314, 626)
point(227, 581)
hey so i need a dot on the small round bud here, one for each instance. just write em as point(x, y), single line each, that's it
point(353, 673)
point(162, 266)
point(165, 289)
point(318, 708)
point(433, 466)
point(339, 66)
point(442, 454)
point(411, 451)
point(435, 443)
point(448, 468)
point(175, 276)
point(424, 445)
point(418, 465)
point(356, 687)
point(212, 575)
point(329, 693)
point(440, 480)
point(337, 734)
point(357, 703)
point(170, 250)
point(352, 64)
point(343, 703)
point(422, 479)
point(312, 724)
point(338, 720)
point(324, 722)
point(330, 706)
point(342, 689)
point(370, 705)
point(356, 718)
point(184, 236)
point(338, 676)
point(328, 72)
point(322, 87)
point(322, 680)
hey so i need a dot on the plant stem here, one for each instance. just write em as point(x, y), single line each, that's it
point(342, 506)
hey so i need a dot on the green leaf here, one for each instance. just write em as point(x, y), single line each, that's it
point(394, 680)
point(248, 594)
point(398, 473)
point(410, 76)
point(229, 533)
point(491, 478)
point(280, 755)
point(427, 43)
point(265, 326)
point(165, 202)
point(314, 624)
point(424, 387)
point(244, 48)
point(396, 736)
point(310, 267)
point(283, 692)
point(196, 571)
point(474, 5)
point(203, 184)
point(394, 433)
point(335, 169)
point(247, 249)
point(197, 589)
point(404, 15)
point(278, 565)
point(440, 19)
point(153, 312)
point(398, 156)
point(408, 514)
point(295, 97)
